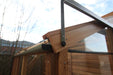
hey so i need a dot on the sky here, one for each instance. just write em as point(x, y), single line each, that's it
point(34, 18)
point(96, 43)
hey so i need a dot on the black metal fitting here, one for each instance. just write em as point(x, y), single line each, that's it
point(47, 47)
point(63, 43)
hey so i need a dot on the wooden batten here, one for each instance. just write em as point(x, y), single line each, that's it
point(24, 66)
point(16, 66)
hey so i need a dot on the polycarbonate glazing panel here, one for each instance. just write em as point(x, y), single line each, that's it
point(93, 43)
point(91, 64)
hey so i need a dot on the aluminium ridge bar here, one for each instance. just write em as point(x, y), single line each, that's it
point(84, 10)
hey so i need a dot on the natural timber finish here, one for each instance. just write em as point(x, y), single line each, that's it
point(57, 64)
point(72, 34)
point(16, 66)
point(51, 64)
point(24, 66)
point(107, 15)
point(32, 63)
point(91, 64)
point(109, 39)
point(63, 63)
point(79, 46)
point(69, 63)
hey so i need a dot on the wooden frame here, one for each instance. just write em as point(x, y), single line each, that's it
point(59, 61)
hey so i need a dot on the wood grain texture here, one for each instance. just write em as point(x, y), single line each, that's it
point(73, 34)
point(79, 46)
point(69, 63)
point(107, 15)
point(91, 64)
point(51, 64)
point(16, 65)
point(63, 63)
point(109, 40)
point(32, 63)
point(24, 66)
point(36, 66)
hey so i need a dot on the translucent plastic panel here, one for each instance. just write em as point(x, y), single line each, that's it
point(91, 64)
point(96, 43)
point(93, 43)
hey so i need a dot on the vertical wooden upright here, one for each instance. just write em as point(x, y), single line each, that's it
point(109, 40)
point(63, 63)
point(57, 64)
point(24, 66)
point(16, 66)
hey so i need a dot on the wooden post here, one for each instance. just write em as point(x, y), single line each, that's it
point(63, 63)
point(109, 40)
point(57, 64)
point(16, 66)
point(24, 66)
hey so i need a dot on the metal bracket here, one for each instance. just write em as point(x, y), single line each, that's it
point(63, 43)
point(47, 47)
